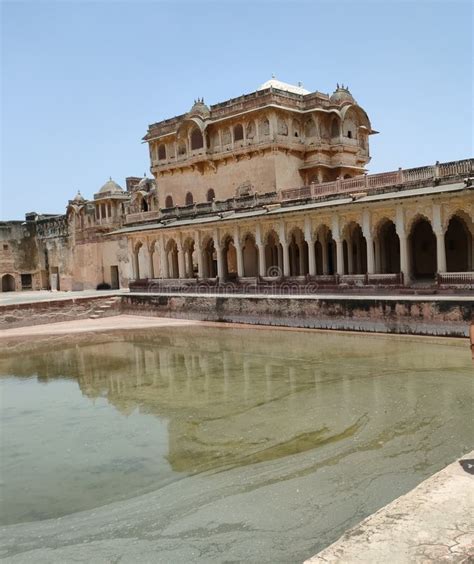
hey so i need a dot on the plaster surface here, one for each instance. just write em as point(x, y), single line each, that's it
point(432, 523)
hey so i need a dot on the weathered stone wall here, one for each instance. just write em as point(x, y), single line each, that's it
point(422, 316)
point(37, 313)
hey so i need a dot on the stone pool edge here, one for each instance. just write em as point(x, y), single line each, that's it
point(414, 527)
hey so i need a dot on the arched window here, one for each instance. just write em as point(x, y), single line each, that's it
point(143, 205)
point(189, 199)
point(197, 141)
point(265, 127)
point(349, 134)
point(334, 128)
point(169, 202)
point(161, 152)
point(238, 132)
point(211, 195)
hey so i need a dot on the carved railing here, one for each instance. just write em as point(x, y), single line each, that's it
point(455, 279)
point(142, 216)
point(374, 182)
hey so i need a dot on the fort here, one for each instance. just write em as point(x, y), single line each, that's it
point(266, 193)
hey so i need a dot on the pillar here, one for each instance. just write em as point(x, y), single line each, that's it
point(261, 259)
point(404, 260)
point(189, 256)
point(240, 258)
point(301, 252)
point(350, 256)
point(286, 258)
point(220, 261)
point(311, 257)
point(181, 262)
point(151, 252)
point(370, 255)
point(440, 251)
point(136, 265)
point(339, 257)
point(163, 261)
point(324, 255)
point(198, 250)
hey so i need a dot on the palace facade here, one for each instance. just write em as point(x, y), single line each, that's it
point(269, 186)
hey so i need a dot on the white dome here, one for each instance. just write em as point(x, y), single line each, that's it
point(274, 83)
point(110, 187)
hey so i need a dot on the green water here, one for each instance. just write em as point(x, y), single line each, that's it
point(253, 445)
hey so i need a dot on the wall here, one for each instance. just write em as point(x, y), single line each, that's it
point(37, 313)
point(422, 317)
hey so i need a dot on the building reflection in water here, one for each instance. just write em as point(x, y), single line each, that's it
point(234, 397)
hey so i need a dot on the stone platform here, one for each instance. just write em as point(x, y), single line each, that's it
point(432, 523)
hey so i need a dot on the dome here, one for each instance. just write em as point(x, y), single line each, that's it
point(78, 198)
point(199, 108)
point(110, 187)
point(143, 184)
point(278, 84)
point(342, 94)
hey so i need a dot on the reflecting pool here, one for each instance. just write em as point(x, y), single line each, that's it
point(219, 444)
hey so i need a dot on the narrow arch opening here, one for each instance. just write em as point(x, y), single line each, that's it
point(197, 141)
point(423, 250)
point(169, 202)
point(189, 201)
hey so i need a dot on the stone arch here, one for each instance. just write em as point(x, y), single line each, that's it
point(140, 261)
point(229, 256)
point(296, 127)
point(209, 258)
point(211, 195)
point(282, 126)
point(250, 130)
point(169, 201)
point(197, 140)
point(264, 127)
point(273, 253)
point(161, 152)
point(309, 128)
point(298, 252)
point(171, 257)
point(249, 255)
point(8, 283)
point(325, 249)
point(458, 243)
point(189, 200)
point(335, 127)
point(354, 249)
point(238, 132)
point(422, 245)
point(190, 266)
point(386, 247)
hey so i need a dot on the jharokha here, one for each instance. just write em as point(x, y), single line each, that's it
point(268, 186)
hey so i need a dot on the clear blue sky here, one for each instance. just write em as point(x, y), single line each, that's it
point(82, 80)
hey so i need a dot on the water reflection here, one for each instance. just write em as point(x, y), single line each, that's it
point(230, 398)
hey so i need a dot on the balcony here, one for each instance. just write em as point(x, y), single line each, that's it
point(373, 183)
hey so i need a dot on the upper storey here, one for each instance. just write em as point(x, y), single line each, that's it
point(328, 134)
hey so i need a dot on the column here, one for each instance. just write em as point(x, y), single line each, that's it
point(220, 261)
point(261, 259)
point(280, 258)
point(301, 261)
point(286, 258)
point(136, 266)
point(404, 259)
point(163, 260)
point(339, 257)
point(311, 257)
point(198, 251)
point(377, 256)
point(190, 269)
point(151, 252)
point(350, 256)
point(324, 255)
point(370, 254)
point(440, 251)
point(181, 263)
point(240, 258)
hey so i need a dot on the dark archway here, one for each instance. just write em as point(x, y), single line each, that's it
point(423, 249)
point(189, 199)
point(197, 141)
point(8, 283)
point(389, 249)
point(169, 202)
point(211, 196)
point(458, 244)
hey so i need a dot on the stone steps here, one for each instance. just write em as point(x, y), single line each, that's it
point(104, 307)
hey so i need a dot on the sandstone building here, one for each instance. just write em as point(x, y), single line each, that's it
point(269, 186)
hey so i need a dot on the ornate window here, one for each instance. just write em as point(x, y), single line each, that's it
point(238, 132)
point(226, 139)
point(282, 127)
point(310, 128)
point(211, 195)
point(197, 141)
point(265, 127)
point(161, 152)
point(250, 130)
